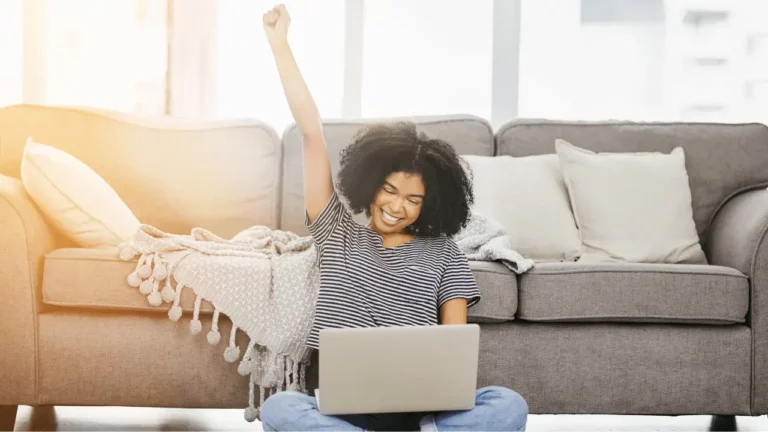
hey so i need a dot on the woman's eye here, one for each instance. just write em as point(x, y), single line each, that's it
point(414, 202)
point(389, 191)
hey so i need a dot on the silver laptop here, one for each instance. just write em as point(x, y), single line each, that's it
point(398, 369)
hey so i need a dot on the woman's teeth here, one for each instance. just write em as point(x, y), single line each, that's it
point(389, 218)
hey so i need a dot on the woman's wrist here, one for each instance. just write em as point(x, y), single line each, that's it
point(279, 46)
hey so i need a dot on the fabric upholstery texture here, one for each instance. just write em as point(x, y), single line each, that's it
point(96, 279)
point(631, 292)
point(720, 158)
point(555, 367)
point(631, 206)
point(76, 200)
point(151, 362)
point(604, 368)
point(173, 174)
point(467, 134)
point(737, 239)
point(24, 238)
point(498, 289)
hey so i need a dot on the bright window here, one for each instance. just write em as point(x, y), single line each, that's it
point(11, 55)
point(651, 60)
point(106, 54)
point(427, 57)
point(699, 60)
point(246, 80)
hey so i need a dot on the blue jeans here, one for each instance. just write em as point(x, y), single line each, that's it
point(496, 409)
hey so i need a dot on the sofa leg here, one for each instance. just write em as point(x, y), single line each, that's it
point(43, 418)
point(8, 417)
point(723, 423)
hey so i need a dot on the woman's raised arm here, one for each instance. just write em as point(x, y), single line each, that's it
point(318, 182)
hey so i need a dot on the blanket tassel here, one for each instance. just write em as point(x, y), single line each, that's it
point(195, 326)
point(146, 270)
point(302, 378)
point(160, 271)
point(232, 353)
point(291, 375)
point(251, 413)
point(175, 312)
point(145, 273)
point(133, 279)
point(251, 355)
point(154, 298)
point(286, 384)
point(167, 293)
point(214, 336)
point(295, 385)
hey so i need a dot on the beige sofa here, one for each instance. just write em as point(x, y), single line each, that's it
point(662, 339)
point(74, 333)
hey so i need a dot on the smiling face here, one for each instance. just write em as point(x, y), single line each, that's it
point(398, 203)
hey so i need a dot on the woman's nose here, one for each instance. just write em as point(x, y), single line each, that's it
point(397, 204)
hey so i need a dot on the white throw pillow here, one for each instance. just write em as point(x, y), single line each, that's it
point(633, 207)
point(74, 198)
point(528, 197)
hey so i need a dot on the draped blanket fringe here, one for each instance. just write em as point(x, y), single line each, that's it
point(265, 281)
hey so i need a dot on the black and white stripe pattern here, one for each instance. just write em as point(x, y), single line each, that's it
point(364, 284)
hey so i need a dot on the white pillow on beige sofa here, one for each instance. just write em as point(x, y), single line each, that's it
point(527, 196)
point(74, 198)
point(633, 207)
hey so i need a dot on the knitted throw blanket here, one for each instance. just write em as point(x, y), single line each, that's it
point(265, 281)
point(484, 239)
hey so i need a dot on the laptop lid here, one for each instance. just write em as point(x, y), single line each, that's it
point(398, 369)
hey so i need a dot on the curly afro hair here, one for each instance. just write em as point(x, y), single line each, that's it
point(380, 150)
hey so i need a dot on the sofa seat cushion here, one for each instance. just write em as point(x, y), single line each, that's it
point(631, 292)
point(96, 278)
point(498, 293)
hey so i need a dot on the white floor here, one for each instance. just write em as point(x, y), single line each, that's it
point(151, 419)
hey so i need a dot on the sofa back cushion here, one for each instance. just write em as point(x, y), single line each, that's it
point(467, 134)
point(173, 174)
point(76, 200)
point(721, 159)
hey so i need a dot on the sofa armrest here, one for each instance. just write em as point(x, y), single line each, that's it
point(736, 234)
point(25, 238)
point(737, 239)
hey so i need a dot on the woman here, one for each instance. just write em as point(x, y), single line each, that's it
point(402, 269)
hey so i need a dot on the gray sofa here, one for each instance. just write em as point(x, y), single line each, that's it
point(621, 338)
point(571, 338)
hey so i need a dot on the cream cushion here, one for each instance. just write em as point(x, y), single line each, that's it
point(74, 198)
point(633, 207)
point(528, 197)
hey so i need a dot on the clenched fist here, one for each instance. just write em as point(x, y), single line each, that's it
point(276, 23)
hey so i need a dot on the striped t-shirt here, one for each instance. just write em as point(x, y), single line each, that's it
point(364, 284)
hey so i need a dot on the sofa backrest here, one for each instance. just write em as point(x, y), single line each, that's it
point(173, 174)
point(721, 159)
point(229, 175)
point(468, 135)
